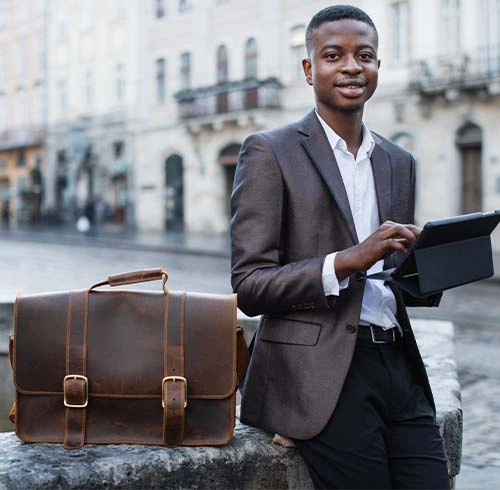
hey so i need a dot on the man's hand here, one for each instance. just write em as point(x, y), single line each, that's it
point(388, 238)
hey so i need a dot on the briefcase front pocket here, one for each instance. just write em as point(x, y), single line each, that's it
point(137, 367)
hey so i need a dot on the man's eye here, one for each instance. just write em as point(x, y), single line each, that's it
point(333, 56)
point(366, 56)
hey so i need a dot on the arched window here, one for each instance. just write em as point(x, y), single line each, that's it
point(298, 51)
point(222, 64)
point(251, 58)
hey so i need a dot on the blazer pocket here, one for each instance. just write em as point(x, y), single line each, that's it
point(286, 331)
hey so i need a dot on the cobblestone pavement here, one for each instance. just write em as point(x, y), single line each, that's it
point(475, 310)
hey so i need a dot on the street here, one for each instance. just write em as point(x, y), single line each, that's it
point(475, 310)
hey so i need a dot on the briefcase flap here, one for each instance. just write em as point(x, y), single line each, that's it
point(125, 344)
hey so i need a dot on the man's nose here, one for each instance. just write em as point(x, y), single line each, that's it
point(351, 65)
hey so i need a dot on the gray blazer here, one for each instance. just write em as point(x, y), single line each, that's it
point(289, 210)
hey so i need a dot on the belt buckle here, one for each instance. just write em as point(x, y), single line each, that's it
point(375, 341)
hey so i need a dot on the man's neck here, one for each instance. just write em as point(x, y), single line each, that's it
point(349, 126)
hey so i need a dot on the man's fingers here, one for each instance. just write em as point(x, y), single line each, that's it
point(399, 231)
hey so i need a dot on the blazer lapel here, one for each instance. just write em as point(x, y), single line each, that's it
point(319, 150)
point(381, 166)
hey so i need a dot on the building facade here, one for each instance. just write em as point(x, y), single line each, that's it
point(149, 101)
point(23, 95)
point(219, 70)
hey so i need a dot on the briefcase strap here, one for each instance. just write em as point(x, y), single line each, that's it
point(75, 384)
point(174, 384)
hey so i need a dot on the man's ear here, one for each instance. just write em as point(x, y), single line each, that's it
point(307, 67)
point(379, 63)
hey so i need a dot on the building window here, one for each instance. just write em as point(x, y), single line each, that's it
point(41, 6)
point(21, 158)
point(3, 68)
point(88, 90)
point(400, 32)
point(62, 96)
point(39, 106)
point(21, 109)
point(3, 116)
point(21, 61)
point(88, 13)
point(40, 51)
point(251, 58)
point(159, 6)
point(120, 82)
point(3, 14)
point(120, 8)
point(222, 64)
point(298, 51)
point(185, 5)
point(160, 80)
point(450, 27)
point(61, 23)
point(185, 71)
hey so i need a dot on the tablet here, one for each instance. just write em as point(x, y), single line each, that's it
point(447, 230)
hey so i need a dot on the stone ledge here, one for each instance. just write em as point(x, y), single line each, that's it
point(250, 461)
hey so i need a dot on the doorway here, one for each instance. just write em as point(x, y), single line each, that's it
point(174, 194)
point(469, 143)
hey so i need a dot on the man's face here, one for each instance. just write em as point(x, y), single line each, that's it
point(343, 65)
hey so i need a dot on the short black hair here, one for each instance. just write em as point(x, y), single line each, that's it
point(336, 12)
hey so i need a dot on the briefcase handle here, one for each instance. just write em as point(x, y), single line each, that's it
point(134, 277)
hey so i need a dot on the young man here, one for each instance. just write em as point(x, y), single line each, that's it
point(316, 205)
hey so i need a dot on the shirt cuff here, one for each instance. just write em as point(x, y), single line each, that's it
point(331, 284)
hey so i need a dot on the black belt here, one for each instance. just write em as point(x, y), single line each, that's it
point(377, 335)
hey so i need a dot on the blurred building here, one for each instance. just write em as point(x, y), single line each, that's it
point(150, 100)
point(92, 70)
point(23, 91)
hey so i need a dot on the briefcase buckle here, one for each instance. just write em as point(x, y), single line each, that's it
point(173, 379)
point(74, 377)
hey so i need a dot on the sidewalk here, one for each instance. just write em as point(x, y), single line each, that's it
point(116, 237)
point(173, 242)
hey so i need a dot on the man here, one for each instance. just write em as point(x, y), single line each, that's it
point(316, 206)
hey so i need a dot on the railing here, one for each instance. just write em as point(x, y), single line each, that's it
point(21, 138)
point(471, 71)
point(229, 97)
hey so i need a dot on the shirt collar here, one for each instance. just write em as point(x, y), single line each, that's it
point(367, 144)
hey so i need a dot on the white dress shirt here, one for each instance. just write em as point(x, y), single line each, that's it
point(379, 304)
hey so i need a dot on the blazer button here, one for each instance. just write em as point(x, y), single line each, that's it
point(360, 276)
point(351, 328)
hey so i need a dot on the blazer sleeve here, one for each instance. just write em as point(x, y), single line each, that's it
point(263, 283)
point(409, 300)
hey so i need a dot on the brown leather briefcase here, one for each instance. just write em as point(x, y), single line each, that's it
point(122, 366)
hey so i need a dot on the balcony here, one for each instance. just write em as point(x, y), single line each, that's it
point(229, 97)
point(18, 138)
point(472, 72)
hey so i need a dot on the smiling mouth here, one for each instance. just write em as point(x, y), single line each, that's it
point(350, 91)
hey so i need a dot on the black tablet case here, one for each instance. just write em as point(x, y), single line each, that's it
point(448, 253)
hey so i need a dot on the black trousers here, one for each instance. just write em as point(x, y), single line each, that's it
point(383, 433)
